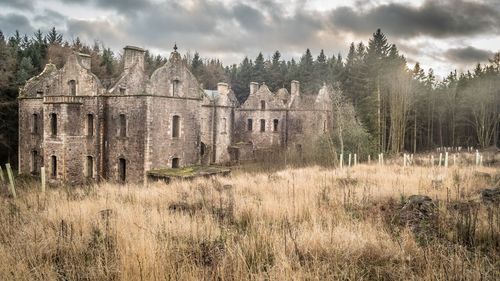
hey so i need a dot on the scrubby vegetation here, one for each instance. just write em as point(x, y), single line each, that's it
point(359, 223)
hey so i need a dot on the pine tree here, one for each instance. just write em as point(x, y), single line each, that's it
point(53, 37)
point(26, 70)
point(306, 72)
point(259, 73)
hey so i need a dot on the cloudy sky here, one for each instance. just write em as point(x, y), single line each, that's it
point(442, 34)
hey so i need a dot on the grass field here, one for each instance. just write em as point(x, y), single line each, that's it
point(294, 224)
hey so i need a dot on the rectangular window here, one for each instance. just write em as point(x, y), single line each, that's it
point(122, 91)
point(90, 125)
point(262, 105)
point(176, 126)
point(249, 124)
point(275, 125)
point(123, 126)
point(53, 166)
point(34, 129)
point(34, 162)
point(53, 124)
point(224, 125)
point(90, 167)
point(122, 170)
point(262, 125)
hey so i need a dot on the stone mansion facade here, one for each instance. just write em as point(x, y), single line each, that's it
point(81, 131)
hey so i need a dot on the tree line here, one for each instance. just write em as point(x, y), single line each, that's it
point(396, 108)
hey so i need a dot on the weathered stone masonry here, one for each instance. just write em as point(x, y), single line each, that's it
point(80, 131)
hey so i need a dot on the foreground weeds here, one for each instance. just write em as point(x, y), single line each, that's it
point(310, 223)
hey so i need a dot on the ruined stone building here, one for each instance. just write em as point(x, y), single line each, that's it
point(81, 131)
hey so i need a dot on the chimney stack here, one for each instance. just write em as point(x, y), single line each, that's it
point(295, 88)
point(132, 55)
point(222, 88)
point(254, 86)
point(85, 60)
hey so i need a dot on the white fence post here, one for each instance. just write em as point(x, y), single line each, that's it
point(42, 177)
point(11, 180)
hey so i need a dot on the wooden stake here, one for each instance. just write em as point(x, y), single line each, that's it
point(369, 159)
point(11, 180)
point(341, 160)
point(446, 160)
point(355, 159)
point(349, 159)
point(440, 159)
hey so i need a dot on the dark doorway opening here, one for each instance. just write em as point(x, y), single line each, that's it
point(175, 162)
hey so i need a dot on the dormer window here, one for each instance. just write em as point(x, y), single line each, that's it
point(262, 105)
point(47, 89)
point(122, 91)
point(39, 93)
point(285, 101)
point(175, 87)
point(72, 87)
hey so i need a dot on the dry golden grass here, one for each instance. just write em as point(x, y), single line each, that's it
point(307, 223)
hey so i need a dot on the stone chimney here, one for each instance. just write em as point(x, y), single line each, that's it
point(85, 60)
point(295, 88)
point(254, 86)
point(132, 55)
point(222, 88)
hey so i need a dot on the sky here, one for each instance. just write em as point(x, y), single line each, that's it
point(442, 34)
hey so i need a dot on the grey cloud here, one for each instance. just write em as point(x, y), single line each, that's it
point(445, 18)
point(468, 55)
point(50, 18)
point(9, 23)
point(18, 4)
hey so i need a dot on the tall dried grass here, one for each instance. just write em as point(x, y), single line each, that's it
point(294, 224)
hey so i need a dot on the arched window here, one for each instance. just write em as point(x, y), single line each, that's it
point(275, 125)
point(122, 170)
point(175, 87)
point(53, 124)
point(90, 125)
point(262, 105)
point(53, 166)
point(89, 172)
point(72, 87)
point(176, 126)
point(175, 162)
point(249, 124)
point(262, 125)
